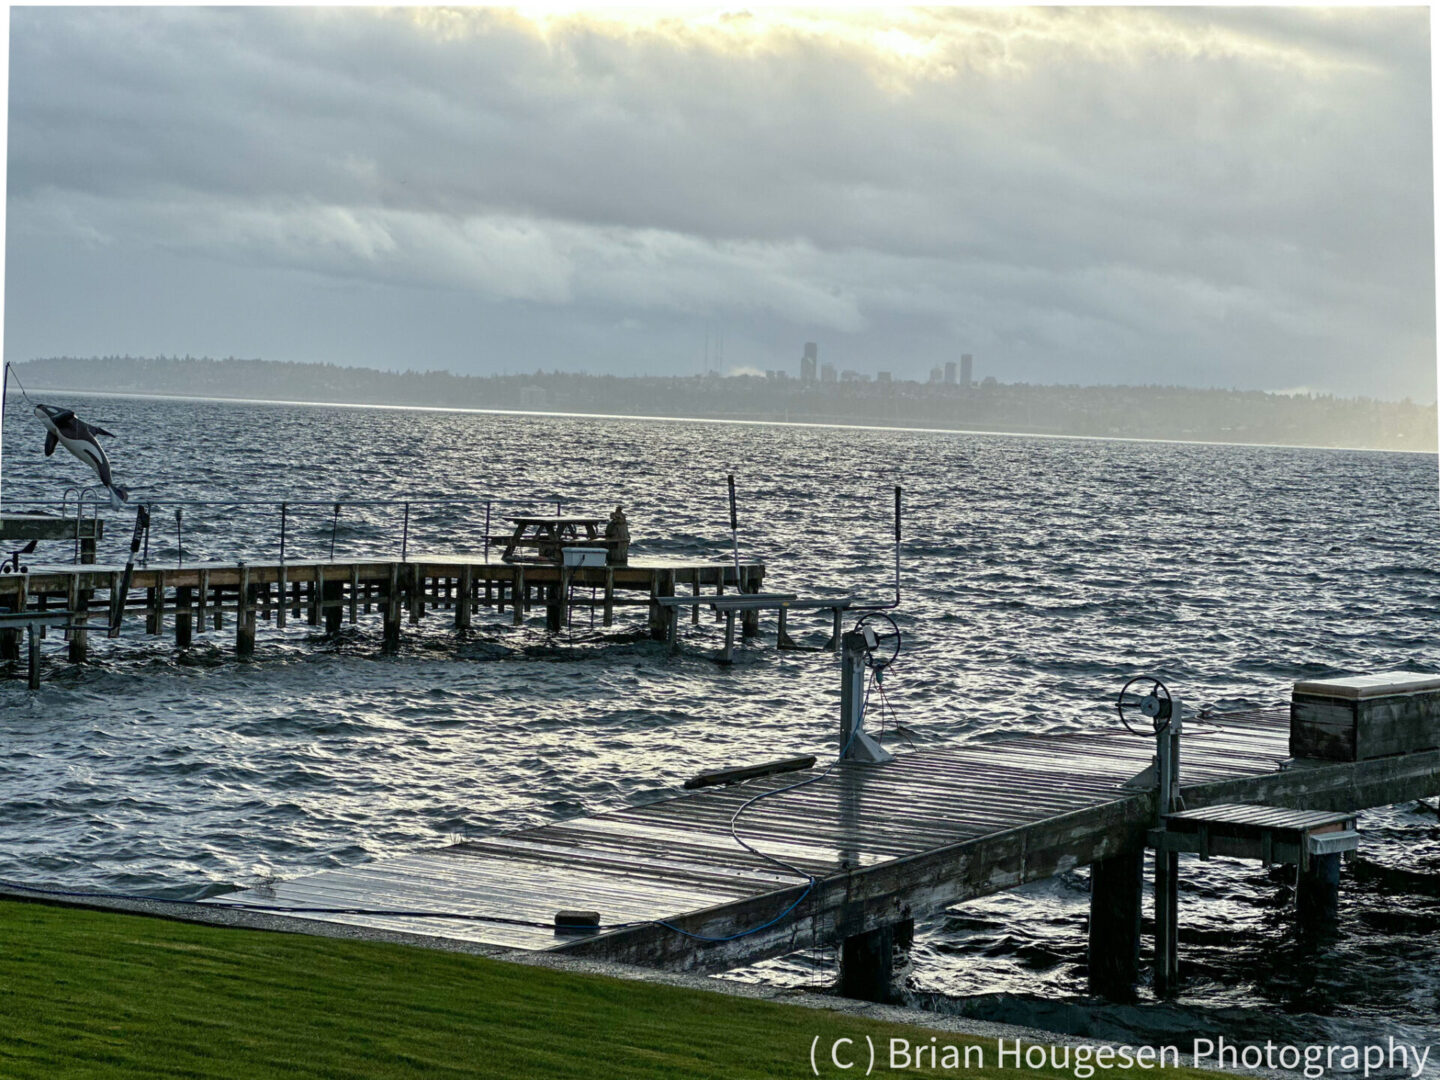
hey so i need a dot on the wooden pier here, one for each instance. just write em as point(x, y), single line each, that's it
point(884, 843)
point(86, 599)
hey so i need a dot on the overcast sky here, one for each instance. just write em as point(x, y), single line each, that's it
point(1212, 197)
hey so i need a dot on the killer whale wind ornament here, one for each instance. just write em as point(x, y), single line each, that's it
point(64, 428)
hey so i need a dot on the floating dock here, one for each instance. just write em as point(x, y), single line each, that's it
point(884, 844)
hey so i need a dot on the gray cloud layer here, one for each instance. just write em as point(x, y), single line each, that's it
point(1204, 196)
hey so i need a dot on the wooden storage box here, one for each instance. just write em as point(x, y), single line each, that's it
point(1360, 717)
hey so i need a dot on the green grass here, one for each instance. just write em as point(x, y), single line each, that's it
point(86, 993)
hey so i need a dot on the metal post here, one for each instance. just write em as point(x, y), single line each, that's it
point(734, 530)
point(282, 584)
point(334, 525)
point(487, 534)
point(1167, 863)
point(405, 535)
point(855, 745)
point(897, 545)
point(179, 537)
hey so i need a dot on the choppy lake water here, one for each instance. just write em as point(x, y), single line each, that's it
point(1040, 574)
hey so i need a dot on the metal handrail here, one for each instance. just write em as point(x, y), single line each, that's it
point(90, 497)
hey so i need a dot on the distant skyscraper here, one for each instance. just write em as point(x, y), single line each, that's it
point(827, 372)
point(967, 369)
point(809, 361)
point(936, 374)
point(949, 372)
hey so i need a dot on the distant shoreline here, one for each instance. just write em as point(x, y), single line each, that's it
point(760, 421)
point(1149, 413)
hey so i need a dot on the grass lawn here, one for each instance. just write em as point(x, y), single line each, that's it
point(86, 993)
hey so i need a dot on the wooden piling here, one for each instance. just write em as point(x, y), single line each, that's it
point(608, 616)
point(202, 591)
point(317, 595)
point(517, 596)
point(33, 673)
point(1116, 887)
point(245, 616)
point(183, 616)
point(355, 593)
point(661, 584)
point(415, 583)
point(462, 603)
point(391, 643)
point(750, 621)
point(1317, 892)
point(155, 619)
point(79, 607)
point(332, 600)
point(867, 965)
point(281, 586)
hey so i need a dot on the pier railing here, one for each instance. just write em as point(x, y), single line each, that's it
point(199, 530)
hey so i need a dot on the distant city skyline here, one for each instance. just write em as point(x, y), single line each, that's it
point(1208, 197)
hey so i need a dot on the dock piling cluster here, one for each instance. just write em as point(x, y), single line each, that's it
point(195, 600)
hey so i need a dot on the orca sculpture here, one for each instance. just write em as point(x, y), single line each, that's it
point(65, 428)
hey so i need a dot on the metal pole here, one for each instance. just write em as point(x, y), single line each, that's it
point(487, 535)
point(897, 545)
point(405, 535)
point(734, 530)
point(145, 555)
point(334, 524)
point(179, 537)
point(284, 513)
point(1167, 863)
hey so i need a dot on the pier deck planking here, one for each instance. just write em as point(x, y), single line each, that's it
point(885, 843)
point(194, 598)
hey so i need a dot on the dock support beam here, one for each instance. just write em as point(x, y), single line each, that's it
point(1116, 886)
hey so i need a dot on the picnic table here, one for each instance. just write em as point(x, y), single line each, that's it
point(548, 534)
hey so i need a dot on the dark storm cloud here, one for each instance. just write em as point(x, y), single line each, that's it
point(1195, 195)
